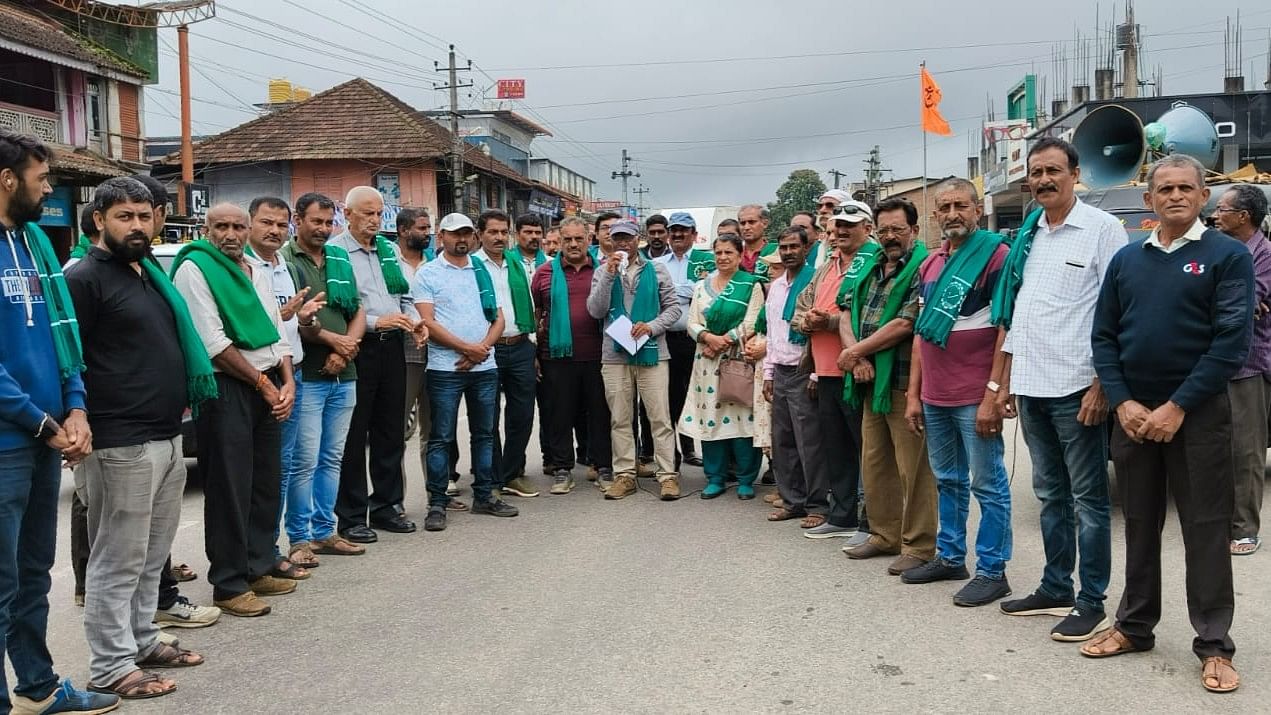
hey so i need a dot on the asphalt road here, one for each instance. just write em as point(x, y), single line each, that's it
point(583, 605)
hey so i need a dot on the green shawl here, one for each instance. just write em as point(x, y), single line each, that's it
point(797, 286)
point(730, 306)
point(700, 263)
point(341, 285)
point(485, 289)
point(560, 331)
point(644, 307)
point(200, 382)
point(519, 287)
point(81, 247)
point(884, 360)
point(394, 280)
point(761, 321)
point(246, 323)
point(1007, 288)
point(57, 301)
point(951, 287)
point(539, 258)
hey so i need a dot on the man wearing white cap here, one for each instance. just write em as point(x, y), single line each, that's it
point(825, 206)
point(631, 288)
point(455, 297)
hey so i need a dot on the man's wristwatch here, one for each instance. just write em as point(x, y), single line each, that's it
point(993, 386)
point(48, 428)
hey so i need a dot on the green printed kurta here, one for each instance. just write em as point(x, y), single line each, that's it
point(705, 416)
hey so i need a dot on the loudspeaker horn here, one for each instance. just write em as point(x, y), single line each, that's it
point(1184, 130)
point(1110, 146)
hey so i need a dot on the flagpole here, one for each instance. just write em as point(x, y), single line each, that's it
point(926, 210)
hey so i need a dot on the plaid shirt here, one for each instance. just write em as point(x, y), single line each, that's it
point(872, 313)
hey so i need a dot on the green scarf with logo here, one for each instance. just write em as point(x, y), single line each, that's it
point(1007, 288)
point(700, 263)
point(951, 287)
point(244, 319)
point(884, 360)
point(730, 306)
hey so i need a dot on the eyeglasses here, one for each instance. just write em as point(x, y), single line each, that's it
point(896, 231)
point(1224, 209)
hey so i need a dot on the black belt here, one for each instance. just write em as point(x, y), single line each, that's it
point(514, 340)
point(394, 334)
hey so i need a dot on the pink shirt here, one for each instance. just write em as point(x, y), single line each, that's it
point(780, 350)
point(826, 345)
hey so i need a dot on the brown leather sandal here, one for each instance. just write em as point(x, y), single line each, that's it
point(169, 656)
point(1213, 669)
point(136, 686)
point(784, 514)
point(302, 555)
point(1108, 643)
point(335, 545)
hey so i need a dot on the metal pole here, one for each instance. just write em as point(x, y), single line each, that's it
point(456, 158)
point(926, 210)
point(187, 141)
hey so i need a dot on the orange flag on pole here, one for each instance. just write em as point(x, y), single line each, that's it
point(931, 119)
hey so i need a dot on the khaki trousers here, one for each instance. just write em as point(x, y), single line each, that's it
point(900, 488)
point(623, 383)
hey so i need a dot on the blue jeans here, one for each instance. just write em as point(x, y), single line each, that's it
point(30, 477)
point(1070, 477)
point(326, 409)
point(964, 464)
point(290, 433)
point(479, 390)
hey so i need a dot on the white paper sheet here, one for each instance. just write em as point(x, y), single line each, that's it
point(620, 331)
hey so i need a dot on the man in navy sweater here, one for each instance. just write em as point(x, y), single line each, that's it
point(1172, 326)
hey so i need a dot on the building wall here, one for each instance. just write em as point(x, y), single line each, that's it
point(239, 184)
point(334, 178)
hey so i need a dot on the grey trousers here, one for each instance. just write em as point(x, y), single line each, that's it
point(134, 505)
point(1249, 404)
point(797, 457)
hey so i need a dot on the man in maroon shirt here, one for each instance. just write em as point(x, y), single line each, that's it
point(569, 358)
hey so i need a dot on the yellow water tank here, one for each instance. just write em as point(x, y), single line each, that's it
point(300, 94)
point(279, 91)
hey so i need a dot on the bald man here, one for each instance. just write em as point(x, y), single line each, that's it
point(236, 314)
point(379, 419)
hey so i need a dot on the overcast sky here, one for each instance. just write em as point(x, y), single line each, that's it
point(725, 105)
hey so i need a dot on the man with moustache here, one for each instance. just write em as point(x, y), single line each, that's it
point(42, 419)
point(270, 225)
point(139, 383)
point(1240, 213)
point(754, 221)
point(956, 358)
point(552, 241)
point(656, 232)
point(825, 206)
point(462, 321)
point(603, 245)
point(379, 418)
point(328, 388)
point(1172, 327)
point(876, 332)
point(1045, 301)
point(236, 315)
point(820, 244)
point(528, 244)
point(817, 317)
point(514, 355)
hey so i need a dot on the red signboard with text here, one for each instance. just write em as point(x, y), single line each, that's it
point(511, 89)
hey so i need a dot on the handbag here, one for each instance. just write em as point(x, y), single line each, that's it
point(736, 379)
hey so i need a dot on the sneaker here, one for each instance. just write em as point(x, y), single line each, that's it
point(1037, 604)
point(670, 489)
point(982, 591)
point(452, 488)
point(272, 586)
point(520, 487)
point(66, 699)
point(436, 519)
point(562, 482)
point(937, 570)
point(244, 605)
point(184, 614)
point(494, 507)
point(1081, 623)
point(828, 531)
point(604, 478)
point(622, 486)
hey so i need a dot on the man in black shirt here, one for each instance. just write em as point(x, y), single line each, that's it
point(134, 480)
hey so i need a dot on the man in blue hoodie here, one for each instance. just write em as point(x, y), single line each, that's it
point(42, 417)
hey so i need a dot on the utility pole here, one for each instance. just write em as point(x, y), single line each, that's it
point(456, 147)
point(837, 175)
point(640, 190)
point(873, 176)
point(625, 174)
point(187, 141)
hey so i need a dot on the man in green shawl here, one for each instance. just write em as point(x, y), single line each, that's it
point(513, 352)
point(630, 289)
point(237, 317)
point(877, 335)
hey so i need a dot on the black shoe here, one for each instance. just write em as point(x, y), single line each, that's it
point(436, 519)
point(396, 523)
point(1037, 604)
point(768, 479)
point(982, 591)
point(1081, 623)
point(937, 570)
point(494, 507)
point(692, 460)
point(360, 534)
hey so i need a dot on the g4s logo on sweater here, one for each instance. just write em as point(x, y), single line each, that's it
point(1194, 268)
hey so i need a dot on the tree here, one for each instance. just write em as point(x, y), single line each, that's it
point(799, 193)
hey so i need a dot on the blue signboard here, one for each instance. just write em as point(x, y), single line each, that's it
point(59, 208)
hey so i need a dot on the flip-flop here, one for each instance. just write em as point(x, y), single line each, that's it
point(135, 689)
point(1238, 546)
point(784, 514)
point(295, 572)
point(1217, 662)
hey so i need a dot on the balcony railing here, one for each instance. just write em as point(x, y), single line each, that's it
point(45, 126)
